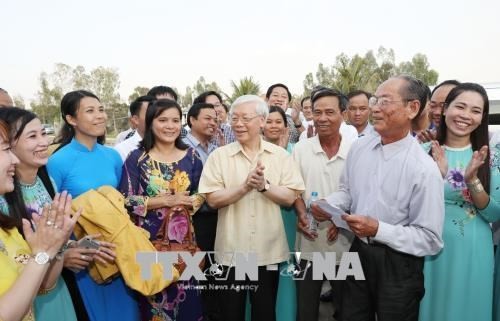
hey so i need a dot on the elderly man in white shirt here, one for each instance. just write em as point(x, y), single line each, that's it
point(394, 192)
point(138, 118)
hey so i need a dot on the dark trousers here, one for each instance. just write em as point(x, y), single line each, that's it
point(309, 291)
point(205, 226)
point(393, 287)
point(263, 300)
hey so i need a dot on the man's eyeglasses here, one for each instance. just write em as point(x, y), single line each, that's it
point(245, 119)
point(383, 102)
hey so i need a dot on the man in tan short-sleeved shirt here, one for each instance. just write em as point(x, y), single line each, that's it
point(247, 181)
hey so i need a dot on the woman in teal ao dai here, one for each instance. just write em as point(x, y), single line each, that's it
point(459, 279)
point(33, 190)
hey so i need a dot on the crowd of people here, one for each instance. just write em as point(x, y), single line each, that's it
point(415, 172)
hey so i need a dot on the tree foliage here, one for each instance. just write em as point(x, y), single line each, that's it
point(245, 86)
point(201, 86)
point(138, 92)
point(19, 101)
point(368, 71)
point(102, 81)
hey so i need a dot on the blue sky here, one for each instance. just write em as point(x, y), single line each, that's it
point(154, 42)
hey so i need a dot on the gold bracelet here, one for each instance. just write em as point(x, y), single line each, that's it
point(476, 186)
point(47, 291)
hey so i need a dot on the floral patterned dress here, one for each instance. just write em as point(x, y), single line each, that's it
point(144, 177)
point(459, 279)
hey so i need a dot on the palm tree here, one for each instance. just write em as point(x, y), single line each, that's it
point(246, 86)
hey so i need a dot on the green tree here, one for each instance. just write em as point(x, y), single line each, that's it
point(201, 86)
point(138, 92)
point(186, 100)
point(47, 103)
point(368, 71)
point(245, 86)
point(19, 101)
point(102, 81)
point(386, 65)
point(419, 68)
point(308, 84)
point(356, 72)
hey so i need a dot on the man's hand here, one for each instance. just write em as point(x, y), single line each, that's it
point(332, 233)
point(361, 225)
point(427, 135)
point(255, 178)
point(303, 226)
point(319, 214)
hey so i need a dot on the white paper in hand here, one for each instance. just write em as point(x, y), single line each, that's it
point(335, 213)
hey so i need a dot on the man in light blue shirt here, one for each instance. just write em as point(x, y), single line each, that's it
point(202, 119)
point(394, 192)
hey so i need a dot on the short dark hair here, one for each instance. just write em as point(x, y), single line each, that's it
point(303, 100)
point(155, 110)
point(320, 92)
point(415, 89)
point(355, 93)
point(270, 90)
point(277, 109)
point(449, 82)
point(162, 90)
point(194, 111)
point(203, 97)
point(136, 105)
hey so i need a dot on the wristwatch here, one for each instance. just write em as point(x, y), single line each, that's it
point(266, 187)
point(41, 258)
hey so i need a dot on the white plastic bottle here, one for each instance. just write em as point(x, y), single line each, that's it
point(313, 224)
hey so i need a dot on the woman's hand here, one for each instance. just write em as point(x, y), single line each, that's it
point(53, 227)
point(221, 140)
point(106, 253)
point(295, 112)
point(179, 198)
point(283, 140)
point(77, 258)
point(440, 158)
point(478, 159)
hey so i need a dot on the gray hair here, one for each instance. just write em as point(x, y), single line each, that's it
point(261, 107)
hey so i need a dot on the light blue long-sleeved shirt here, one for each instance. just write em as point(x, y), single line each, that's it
point(399, 185)
point(191, 141)
point(76, 169)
